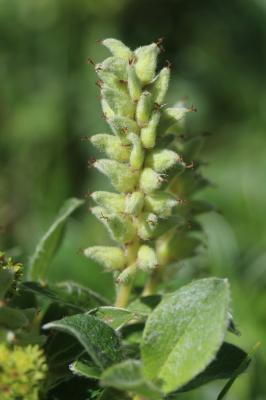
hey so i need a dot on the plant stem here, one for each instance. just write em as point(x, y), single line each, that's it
point(123, 293)
point(152, 282)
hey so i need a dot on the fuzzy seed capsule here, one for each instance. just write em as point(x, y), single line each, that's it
point(120, 103)
point(146, 62)
point(134, 203)
point(112, 258)
point(113, 72)
point(112, 146)
point(134, 85)
point(113, 202)
point(122, 125)
point(137, 152)
point(160, 203)
point(162, 160)
point(147, 259)
point(159, 86)
point(150, 180)
point(148, 133)
point(122, 177)
point(117, 48)
point(144, 108)
point(120, 227)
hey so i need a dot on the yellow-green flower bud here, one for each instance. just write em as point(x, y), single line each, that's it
point(134, 85)
point(145, 65)
point(134, 203)
point(147, 259)
point(144, 109)
point(120, 227)
point(137, 152)
point(22, 371)
point(112, 258)
point(112, 146)
point(117, 48)
point(122, 177)
point(160, 85)
point(162, 160)
point(160, 203)
point(113, 202)
point(148, 133)
point(150, 180)
point(120, 103)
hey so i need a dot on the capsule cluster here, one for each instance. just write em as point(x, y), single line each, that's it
point(151, 214)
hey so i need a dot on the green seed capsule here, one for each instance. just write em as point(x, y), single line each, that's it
point(117, 48)
point(137, 152)
point(150, 180)
point(147, 225)
point(112, 258)
point(144, 109)
point(161, 160)
point(122, 125)
point(171, 117)
point(113, 73)
point(112, 146)
point(147, 259)
point(148, 133)
point(112, 202)
point(134, 203)
point(134, 85)
point(122, 177)
point(160, 203)
point(159, 86)
point(146, 62)
point(120, 227)
point(120, 103)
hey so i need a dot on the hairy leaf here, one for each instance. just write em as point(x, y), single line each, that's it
point(184, 333)
point(99, 339)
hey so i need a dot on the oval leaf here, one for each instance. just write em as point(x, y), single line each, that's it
point(99, 339)
point(50, 242)
point(184, 333)
point(127, 376)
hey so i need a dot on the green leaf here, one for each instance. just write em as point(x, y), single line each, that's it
point(12, 318)
point(184, 333)
point(51, 240)
point(83, 369)
point(116, 317)
point(227, 361)
point(144, 305)
point(127, 376)
point(67, 293)
point(6, 278)
point(99, 339)
point(245, 363)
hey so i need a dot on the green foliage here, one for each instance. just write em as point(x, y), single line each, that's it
point(50, 242)
point(183, 334)
point(99, 340)
point(148, 344)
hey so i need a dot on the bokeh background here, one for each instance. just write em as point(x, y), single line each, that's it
point(49, 100)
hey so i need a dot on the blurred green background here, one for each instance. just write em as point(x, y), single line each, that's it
point(49, 100)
